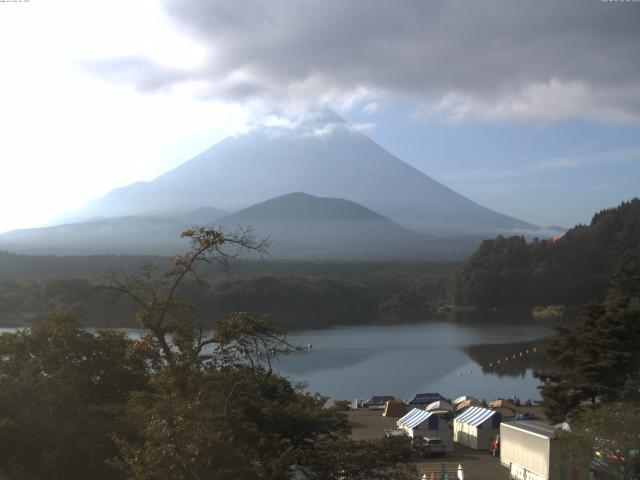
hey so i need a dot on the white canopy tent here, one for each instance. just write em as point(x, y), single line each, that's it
point(475, 427)
point(427, 424)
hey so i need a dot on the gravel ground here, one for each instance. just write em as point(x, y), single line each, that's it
point(478, 465)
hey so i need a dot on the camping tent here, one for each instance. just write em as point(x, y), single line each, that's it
point(439, 406)
point(419, 423)
point(466, 404)
point(475, 427)
point(425, 399)
point(463, 398)
point(508, 415)
point(378, 401)
point(502, 403)
point(394, 408)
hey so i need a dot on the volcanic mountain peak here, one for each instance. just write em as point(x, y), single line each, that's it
point(299, 206)
point(319, 154)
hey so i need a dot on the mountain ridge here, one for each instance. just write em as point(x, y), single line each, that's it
point(324, 157)
point(300, 226)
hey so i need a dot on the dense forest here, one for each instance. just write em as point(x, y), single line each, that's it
point(503, 272)
point(138, 408)
point(297, 295)
point(180, 402)
point(572, 269)
point(594, 382)
point(14, 266)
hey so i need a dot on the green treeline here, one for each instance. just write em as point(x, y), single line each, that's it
point(295, 301)
point(96, 268)
point(15, 266)
point(180, 402)
point(594, 382)
point(598, 359)
point(503, 272)
point(570, 270)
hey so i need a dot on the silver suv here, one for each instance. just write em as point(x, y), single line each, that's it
point(430, 446)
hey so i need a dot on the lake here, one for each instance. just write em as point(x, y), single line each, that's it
point(451, 358)
point(443, 357)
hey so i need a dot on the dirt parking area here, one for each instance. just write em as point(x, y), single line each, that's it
point(477, 465)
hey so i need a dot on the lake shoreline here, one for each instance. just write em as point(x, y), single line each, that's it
point(453, 357)
point(461, 315)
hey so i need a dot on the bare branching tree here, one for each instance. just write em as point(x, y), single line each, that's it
point(174, 325)
point(243, 338)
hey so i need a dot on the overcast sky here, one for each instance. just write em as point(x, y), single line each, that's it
point(531, 108)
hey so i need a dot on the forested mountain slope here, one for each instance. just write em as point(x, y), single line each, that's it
point(572, 269)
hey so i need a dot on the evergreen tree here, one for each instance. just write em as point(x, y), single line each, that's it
point(599, 359)
point(573, 269)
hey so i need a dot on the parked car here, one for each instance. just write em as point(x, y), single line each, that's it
point(494, 446)
point(395, 433)
point(525, 416)
point(430, 446)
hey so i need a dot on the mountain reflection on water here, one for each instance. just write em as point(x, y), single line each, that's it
point(446, 357)
point(450, 357)
point(511, 359)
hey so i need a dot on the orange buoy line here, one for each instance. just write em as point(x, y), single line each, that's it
point(500, 362)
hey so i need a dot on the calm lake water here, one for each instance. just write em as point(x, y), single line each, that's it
point(451, 358)
point(443, 357)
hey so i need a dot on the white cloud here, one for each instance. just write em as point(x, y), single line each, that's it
point(326, 130)
point(68, 137)
point(277, 121)
point(165, 85)
point(363, 127)
point(541, 103)
point(302, 123)
point(371, 107)
point(549, 165)
point(492, 60)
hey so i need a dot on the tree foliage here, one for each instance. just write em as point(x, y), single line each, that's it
point(63, 392)
point(341, 294)
point(182, 402)
point(571, 270)
point(607, 439)
point(599, 359)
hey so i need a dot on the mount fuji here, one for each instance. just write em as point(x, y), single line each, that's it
point(315, 184)
point(318, 154)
